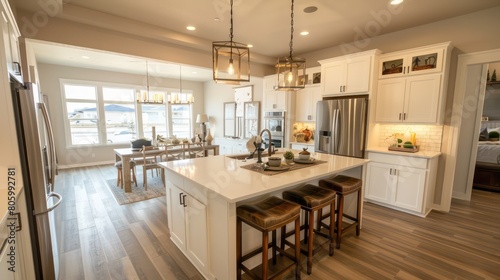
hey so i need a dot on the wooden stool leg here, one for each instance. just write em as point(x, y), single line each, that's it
point(358, 214)
point(310, 241)
point(265, 253)
point(238, 248)
point(297, 248)
point(145, 180)
point(274, 247)
point(282, 243)
point(340, 214)
point(306, 225)
point(332, 226)
point(318, 221)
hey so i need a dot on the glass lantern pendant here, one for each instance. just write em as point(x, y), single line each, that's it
point(291, 70)
point(231, 60)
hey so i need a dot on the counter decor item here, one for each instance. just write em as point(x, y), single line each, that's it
point(209, 138)
point(288, 155)
point(304, 155)
point(493, 136)
point(409, 149)
point(299, 137)
point(274, 161)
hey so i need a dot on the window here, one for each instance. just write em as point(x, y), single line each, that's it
point(119, 111)
point(100, 114)
point(82, 114)
point(181, 120)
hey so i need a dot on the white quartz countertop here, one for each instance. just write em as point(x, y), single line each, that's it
point(223, 175)
point(310, 143)
point(421, 154)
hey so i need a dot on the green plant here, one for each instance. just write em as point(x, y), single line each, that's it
point(288, 155)
point(494, 134)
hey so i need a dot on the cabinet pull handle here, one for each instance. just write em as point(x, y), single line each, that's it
point(390, 171)
point(180, 199)
point(184, 199)
point(399, 116)
point(344, 88)
point(404, 70)
point(340, 88)
point(404, 116)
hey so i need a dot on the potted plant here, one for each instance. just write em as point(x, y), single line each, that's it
point(288, 155)
point(493, 136)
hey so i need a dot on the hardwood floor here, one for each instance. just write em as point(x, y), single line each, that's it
point(99, 239)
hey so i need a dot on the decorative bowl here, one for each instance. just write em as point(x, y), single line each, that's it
point(274, 161)
point(304, 156)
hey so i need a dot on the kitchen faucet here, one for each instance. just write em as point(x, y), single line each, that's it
point(269, 151)
point(269, 148)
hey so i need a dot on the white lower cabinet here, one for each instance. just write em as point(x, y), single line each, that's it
point(401, 182)
point(301, 146)
point(187, 219)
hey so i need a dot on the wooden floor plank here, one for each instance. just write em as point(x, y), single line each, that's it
point(95, 265)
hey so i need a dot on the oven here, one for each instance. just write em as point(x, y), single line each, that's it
point(275, 122)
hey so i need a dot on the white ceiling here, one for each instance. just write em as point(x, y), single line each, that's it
point(266, 24)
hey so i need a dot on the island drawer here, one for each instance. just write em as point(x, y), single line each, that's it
point(398, 160)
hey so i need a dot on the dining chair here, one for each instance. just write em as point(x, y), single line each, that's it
point(175, 152)
point(149, 163)
point(195, 150)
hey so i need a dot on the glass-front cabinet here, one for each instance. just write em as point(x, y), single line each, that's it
point(252, 117)
point(419, 62)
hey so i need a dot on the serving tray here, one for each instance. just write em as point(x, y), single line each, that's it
point(306, 161)
point(407, 150)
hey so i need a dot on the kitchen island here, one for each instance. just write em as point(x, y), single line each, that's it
point(203, 193)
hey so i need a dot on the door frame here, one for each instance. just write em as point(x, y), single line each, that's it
point(469, 91)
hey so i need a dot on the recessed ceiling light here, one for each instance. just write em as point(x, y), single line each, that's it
point(194, 72)
point(310, 9)
point(191, 28)
point(85, 57)
point(250, 46)
point(304, 33)
point(216, 19)
point(396, 2)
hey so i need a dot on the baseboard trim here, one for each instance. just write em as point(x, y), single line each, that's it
point(69, 166)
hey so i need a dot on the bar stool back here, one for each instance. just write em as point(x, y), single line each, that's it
point(267, 216)
point(343, 185)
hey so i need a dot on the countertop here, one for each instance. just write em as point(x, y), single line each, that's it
point(421, 154)
point(303, 143)
point(223, 175)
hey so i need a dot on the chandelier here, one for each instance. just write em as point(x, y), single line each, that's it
point(291, 70)
point(180, 97)
point(231, 60)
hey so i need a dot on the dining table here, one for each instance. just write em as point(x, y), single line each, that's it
point(125, 155)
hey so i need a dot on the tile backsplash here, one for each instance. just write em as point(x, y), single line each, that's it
point(428, 136)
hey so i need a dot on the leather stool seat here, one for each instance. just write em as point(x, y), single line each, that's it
point(268, 213)
point(311, 199)
point(343, 185)
point(266, 216)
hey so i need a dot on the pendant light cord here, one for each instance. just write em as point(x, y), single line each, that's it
point(231, 28)
point(147, 77)
point(291, 32)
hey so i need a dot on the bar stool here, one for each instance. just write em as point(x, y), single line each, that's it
point(313, 198)
point(343, 185)
point(267, 216)
point(119, 166)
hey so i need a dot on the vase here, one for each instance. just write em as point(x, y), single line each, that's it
point(209, 137)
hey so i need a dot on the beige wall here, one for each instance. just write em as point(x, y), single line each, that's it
point(49, 78)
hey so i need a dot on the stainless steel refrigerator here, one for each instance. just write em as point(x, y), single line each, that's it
point(38, 166)
point(341, 126)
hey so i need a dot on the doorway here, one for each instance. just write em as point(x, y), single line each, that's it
point(461, 145)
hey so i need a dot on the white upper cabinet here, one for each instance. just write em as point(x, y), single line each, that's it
point(305, 107)
point(424, 61)
point(10, 38)
point(413, 99)
point(350, 74)
point(273, 99)
point(412, 85)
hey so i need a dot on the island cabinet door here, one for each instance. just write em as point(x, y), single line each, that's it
point(176, 215)
point(196, 233)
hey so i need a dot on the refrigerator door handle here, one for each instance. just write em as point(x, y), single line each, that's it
point(52, 194)
point(50, 136)
point(335, 130)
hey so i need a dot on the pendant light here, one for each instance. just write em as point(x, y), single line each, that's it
point(231, 60)
point(144, 96)
point(180, 98)
point(291, 70)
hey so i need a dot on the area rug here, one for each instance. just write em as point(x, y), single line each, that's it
point(155, 189)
